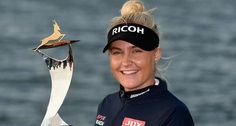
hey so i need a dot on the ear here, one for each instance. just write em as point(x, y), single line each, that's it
point(158, 53)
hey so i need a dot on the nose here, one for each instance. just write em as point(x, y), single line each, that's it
point(126, 59)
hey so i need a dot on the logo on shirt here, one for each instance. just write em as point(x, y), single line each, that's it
point(100, 120)
point(132, 122)
point(136, 95)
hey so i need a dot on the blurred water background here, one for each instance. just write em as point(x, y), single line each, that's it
point(203, 75)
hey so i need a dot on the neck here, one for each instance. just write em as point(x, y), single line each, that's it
point(147, 84)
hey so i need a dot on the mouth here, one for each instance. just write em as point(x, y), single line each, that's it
point(129, 72)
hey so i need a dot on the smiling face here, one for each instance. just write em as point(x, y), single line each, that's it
point(132, 66)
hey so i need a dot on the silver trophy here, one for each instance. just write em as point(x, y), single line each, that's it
point(61, 72)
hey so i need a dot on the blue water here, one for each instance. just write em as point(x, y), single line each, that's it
point(201, 32)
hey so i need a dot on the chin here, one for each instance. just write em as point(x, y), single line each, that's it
point(129, 85)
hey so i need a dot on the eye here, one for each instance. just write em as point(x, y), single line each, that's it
point(115, 52)
point(137, 50)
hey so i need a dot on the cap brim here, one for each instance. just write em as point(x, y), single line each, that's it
point(139, 42)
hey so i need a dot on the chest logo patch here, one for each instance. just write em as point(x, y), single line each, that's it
point(132, 122)
point(100, 120)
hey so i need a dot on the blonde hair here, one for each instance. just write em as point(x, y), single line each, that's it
point(133, 11)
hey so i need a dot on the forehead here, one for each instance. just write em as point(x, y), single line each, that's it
point(121, 44)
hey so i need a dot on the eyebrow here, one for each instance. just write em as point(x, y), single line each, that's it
point(116, 48)
point(133, 47)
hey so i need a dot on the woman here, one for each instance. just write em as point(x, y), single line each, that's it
point(143, 99)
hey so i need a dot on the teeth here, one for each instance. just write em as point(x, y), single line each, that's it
point(129, 72)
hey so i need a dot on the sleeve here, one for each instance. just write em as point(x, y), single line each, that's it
point(99, 109)
point(180, 117)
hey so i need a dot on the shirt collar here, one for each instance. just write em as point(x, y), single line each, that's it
point(137, 93)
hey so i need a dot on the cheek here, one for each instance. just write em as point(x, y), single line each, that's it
point(114, 64)
point(147, 64)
